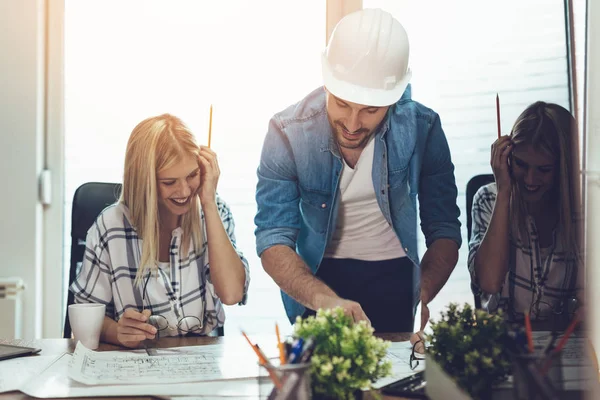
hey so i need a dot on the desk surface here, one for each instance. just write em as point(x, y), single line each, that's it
point(56, 347)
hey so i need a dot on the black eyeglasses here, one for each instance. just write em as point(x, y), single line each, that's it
point(415, 357)
point(186, 324)
point(542, 310)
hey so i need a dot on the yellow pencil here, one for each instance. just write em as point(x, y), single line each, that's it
point(282, 359)
point(210, 126)
point(498, 115)
point(262, 359)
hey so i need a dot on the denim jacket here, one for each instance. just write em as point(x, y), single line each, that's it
point(298, 178)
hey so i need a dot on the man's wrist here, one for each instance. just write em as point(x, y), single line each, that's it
point(323, 300)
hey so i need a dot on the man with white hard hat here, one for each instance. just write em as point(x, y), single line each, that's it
point(338, 182)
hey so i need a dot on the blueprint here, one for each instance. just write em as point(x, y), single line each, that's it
point(175, 365)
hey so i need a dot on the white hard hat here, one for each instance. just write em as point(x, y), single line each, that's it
point(366, 60)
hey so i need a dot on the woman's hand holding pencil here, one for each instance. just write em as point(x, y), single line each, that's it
point(499, 161)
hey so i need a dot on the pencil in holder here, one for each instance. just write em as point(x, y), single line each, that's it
point(294, 378)
point(537, 375)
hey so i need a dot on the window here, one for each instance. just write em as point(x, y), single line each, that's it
point(462, 54)
point(125, 61)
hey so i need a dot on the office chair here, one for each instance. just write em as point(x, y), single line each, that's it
point(88, 202)
point(472, 187)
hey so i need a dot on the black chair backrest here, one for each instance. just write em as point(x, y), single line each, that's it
point(472, 187)
point(88, 202)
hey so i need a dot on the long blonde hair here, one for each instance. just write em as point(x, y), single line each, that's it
point(552, 129)
point(155, 144)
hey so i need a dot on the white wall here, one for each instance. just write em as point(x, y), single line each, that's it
point(21, 150)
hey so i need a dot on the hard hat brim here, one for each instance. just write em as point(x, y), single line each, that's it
point(358, 94)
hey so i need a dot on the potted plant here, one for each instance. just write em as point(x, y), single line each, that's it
point(468, 346)
point(347, 357)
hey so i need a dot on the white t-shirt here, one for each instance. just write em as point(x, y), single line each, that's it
point(361, 231)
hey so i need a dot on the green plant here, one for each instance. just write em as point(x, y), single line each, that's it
point(468, 345)
point(347, 356)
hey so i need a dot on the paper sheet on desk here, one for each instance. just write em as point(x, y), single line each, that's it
point(399, 355)
point(54, 382)
point(173, 365)
point(15, 372)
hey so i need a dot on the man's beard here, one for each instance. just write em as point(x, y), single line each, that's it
point(338, 127)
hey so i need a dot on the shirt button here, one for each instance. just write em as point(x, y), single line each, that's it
point(323, 205)
point(406, 249)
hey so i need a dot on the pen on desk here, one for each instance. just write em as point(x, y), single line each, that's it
point(497, 115)
point(282, 357)
point(210, 126)
point(528, 331)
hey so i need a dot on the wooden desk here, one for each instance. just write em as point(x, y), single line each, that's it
point(56, 347)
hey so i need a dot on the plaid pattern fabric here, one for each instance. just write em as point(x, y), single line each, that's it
point(180, 289)
point(537, 279)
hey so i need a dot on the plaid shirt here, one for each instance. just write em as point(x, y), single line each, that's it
point(537, 279)
point(180, 289)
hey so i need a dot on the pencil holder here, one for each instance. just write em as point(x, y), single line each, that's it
point(537, 375)
point(293, 381)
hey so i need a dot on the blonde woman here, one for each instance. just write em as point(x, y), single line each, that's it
point(163, 259)
point(525, 252)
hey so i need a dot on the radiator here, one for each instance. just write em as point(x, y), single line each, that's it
point(11, 308)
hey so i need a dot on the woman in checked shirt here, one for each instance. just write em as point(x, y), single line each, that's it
point(525, 254)
point(164, 258)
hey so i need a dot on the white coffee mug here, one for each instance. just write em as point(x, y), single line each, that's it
point(86, 322)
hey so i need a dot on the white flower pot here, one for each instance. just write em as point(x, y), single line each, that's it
point(440, 386)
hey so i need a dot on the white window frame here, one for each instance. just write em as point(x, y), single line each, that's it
point(53, 222)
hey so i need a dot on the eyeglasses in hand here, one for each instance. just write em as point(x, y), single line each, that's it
point(189, 324)
point(415, 356)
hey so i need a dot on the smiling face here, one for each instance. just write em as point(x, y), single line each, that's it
point(534, 171)
point(176, 186)
point(353, 124)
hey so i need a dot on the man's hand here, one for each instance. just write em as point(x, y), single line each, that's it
point(420, 338)
point(351, 308)
point(420, 335)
